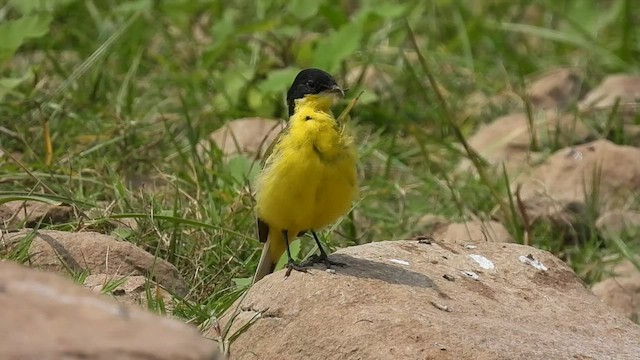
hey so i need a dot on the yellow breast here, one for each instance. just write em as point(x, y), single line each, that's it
point(309, 180)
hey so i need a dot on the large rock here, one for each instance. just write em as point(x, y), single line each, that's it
point(622, 89)
point(249, 136)
point(621, 291)
point(409, 300)
point(619, 222)
point(507, 139)
point(95, 253)
point(45, 316)
point(555, 89)
point(30, 213)
point(570, 180)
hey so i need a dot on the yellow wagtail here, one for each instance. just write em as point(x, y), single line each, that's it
point(309, 179)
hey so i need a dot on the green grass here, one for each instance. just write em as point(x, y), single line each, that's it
point(128, 88)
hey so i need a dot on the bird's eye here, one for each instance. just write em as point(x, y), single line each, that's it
point(311, 84)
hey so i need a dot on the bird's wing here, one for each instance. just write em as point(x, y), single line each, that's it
point(270, 149)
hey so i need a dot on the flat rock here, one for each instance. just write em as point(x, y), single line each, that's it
point(621, 291)
point(471, 232)
point(561, 188)
point(406, 300)
point(48, 317)
point(623, 89)
point(617, 222)
point(249, 136)
point(130, 290)
point(555, 89)
point(31, 213)
point(93, 252)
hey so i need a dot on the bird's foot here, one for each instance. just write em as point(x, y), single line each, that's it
point(322, 259)
point(291, 265)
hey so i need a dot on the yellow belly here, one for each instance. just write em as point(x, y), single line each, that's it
point(335, 192)
point(301, 191)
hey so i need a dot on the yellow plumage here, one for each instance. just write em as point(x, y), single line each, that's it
point(308, 181)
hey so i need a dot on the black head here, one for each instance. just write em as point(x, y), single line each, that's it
point(310, 82)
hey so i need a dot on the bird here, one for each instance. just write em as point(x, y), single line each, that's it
point(309, 179)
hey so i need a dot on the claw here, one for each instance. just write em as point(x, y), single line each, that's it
point(324, 259)
point(291, 265)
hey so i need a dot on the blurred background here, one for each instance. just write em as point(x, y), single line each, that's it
point(108, 108)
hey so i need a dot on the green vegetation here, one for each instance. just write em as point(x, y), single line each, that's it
point(126, 89)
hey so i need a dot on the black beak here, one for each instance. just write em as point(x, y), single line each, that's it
point(335, 89)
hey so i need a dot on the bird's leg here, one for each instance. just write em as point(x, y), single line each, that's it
point(291, 265)
point(322, 258)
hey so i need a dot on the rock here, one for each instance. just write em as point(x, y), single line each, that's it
point(622, 290)
point(429, 223)
point(96, 253)
point(47, 317)
point(250, 136)
point(555, 89)
point(631, 134)
point(31, 213)
point(618, 222)
point(479, 105)
point(621, 88)
point(406, 300)
point(508, 140)
point(563, 187)
point(472, 231)
point(130, 290)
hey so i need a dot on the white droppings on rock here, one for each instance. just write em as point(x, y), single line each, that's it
point(482, 261)
point(440, 346)
point(331, 271)
point(470, 247)
point(530, 260)
point(401, 262)
point(470, 274)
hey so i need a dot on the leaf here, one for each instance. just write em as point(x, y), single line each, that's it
point(242, 282)
point(278, 80)
point(331, 51)
point(234, 82)
point(303, 9)
point(387, 10)
point(240, 168)
point(333, 15)
point(15, 32)
point(122, 233)
point(304, 52)
point(224, 28)
point(30, 6)
point(8, 84)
